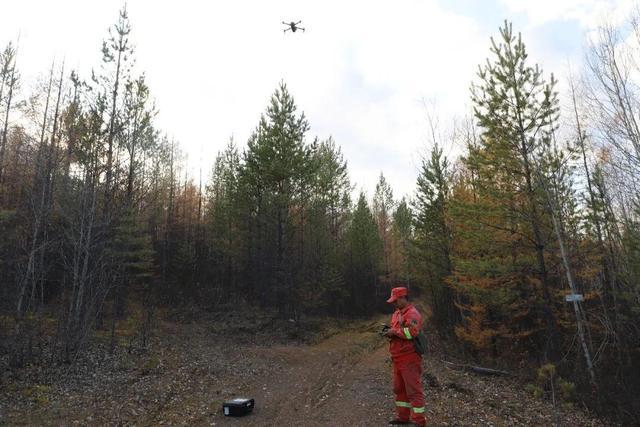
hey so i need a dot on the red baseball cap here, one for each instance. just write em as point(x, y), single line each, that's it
point(397, 293)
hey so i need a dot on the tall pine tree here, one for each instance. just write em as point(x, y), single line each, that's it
point(507, 274)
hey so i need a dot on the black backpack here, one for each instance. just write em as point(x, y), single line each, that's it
point(420, 343)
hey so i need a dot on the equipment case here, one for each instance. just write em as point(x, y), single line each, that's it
point(237, 407)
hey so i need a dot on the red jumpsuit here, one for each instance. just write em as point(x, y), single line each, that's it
point(407, 365)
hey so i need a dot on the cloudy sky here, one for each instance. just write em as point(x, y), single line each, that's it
point(362, 72)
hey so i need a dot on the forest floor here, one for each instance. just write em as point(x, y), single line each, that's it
point(339, 378)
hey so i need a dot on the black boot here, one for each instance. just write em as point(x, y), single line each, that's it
point(398, 422)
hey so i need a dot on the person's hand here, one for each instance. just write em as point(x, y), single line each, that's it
point(383, 331)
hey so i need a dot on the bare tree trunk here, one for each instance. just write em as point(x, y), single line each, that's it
point(88, 289)
point(30, 279)
point(613, 64)
point(557, 226)
point(608, 263)
point(3, 140)
point(48, 183)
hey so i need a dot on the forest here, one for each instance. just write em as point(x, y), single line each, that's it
point(526, 247)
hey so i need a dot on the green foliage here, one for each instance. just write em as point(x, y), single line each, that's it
point(548, 379)
point(363, 256)
point(325, 217)
point(221, 218)
point(331, 187)
point(500, 211)
point(279, 219)
point(403, 220)
point(432, 239)
point(567, 390)
point(402, 235)
point(38, 394)
point(131, 249)
point(150, 365)
point(383, 207)
point(546, 373)
point(534, 390)
point(274, 181)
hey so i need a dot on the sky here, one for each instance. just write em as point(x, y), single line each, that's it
point(363, 72)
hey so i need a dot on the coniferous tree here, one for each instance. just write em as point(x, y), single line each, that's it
point(432, 241)
point(222, 221)
point(402, 233)
point(363, 257)
point(275, 174)
point(117, 57)
point(383, 208)
point(517, 111)
point(324, 228)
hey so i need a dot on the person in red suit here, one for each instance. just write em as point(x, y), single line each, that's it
point(406, 324)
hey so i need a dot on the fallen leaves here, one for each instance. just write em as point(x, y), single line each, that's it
point(189, 371)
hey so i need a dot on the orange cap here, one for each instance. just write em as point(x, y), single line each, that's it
point(397, 293)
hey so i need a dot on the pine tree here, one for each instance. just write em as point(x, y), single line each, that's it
point(138, 135)
point(363, 257)
point(324, 228)
point(222, 221)
point(274, 177)
point(331, 184)
point(383, 207)
point(117, 58)
point(432, 241)
point(401, 236)
point(517, 111)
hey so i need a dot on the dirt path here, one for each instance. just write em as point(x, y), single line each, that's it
point(340, 381)
point(343, 380)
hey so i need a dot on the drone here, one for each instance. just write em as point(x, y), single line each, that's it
point(293, 26)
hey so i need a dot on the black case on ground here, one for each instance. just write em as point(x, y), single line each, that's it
point(237, 407)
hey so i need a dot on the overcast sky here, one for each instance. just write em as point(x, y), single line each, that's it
point(361, 72)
